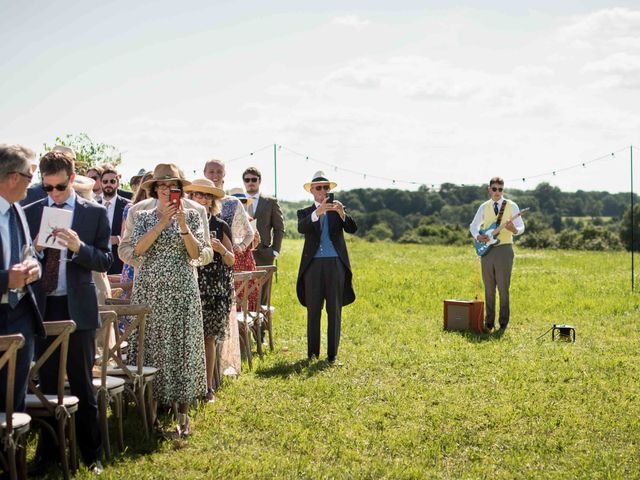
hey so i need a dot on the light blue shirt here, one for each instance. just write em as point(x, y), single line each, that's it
point(70, 206)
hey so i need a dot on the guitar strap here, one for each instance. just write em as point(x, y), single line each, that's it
point(500, 213)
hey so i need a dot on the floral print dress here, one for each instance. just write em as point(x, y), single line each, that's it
point(167, 282)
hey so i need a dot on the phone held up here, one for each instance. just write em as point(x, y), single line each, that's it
point(330, 198)
point(174, 196)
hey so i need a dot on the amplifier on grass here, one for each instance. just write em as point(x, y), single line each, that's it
point(464, 315)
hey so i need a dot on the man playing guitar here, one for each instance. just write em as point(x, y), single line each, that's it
point(497, 262)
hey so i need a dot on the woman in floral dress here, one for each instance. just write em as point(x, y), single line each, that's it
point(216, 278)
point(167, 240)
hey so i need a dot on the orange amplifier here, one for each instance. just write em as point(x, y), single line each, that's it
point(464, 315)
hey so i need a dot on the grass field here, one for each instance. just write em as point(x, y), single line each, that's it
point(413, 401)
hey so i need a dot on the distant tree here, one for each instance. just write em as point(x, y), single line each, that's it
point(625, 229)
point(379, 232)
point(88, 152)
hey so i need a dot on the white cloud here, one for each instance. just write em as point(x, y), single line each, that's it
point(353, 21)
point(615, 27)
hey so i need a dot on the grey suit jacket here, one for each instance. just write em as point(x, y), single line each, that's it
point(270, 225)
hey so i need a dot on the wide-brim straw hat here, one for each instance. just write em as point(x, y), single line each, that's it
point(319, 178)
point(204, 185)
point(64, 149)
point(165, 172)
point(83, 186)
point(240, 195)
point(138, 175)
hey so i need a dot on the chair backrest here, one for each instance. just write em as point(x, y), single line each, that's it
point(60, 330)
point(9, 345)
point(246, 284)
point(136, 322)
point(267, 282)
point(103, 335)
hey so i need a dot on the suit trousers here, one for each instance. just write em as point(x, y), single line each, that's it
point(18, 320)
point(496, 272)
point(80, 359)
point(324, 281)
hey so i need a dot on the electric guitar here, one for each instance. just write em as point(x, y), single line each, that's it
point(492, 232)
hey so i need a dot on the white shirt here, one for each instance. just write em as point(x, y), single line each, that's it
point(256, 199)
point(61, 289)
point(111, 208)
point(474, 228)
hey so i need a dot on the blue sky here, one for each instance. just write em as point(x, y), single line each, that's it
point(416, 91)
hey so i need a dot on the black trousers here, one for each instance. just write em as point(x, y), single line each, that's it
point(18, 320)
point(324, 281)
point(80, 358)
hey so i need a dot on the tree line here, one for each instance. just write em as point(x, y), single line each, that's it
point(594, 220)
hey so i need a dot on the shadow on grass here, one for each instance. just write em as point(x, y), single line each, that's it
point(300, 367)
point(479, 337)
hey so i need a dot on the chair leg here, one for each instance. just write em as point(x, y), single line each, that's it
point(104, 424)
point(62, 449)
point(117, 404)
point(73, 445)
point(247, 346)
point(270, 330)
point(11, 460)
point(22, 457)
point(143, 410)
point(152, 407)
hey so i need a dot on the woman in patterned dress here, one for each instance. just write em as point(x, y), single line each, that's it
point(167, 240)
point(216, 278)
point(232, 213)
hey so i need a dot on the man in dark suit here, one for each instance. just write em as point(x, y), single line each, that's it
point(70, 293)
point(269, 220)
point(114, 204)
point(325, 272)
point(19, 311)
point(35, 191)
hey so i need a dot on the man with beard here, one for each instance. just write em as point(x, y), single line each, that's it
point(114, 204)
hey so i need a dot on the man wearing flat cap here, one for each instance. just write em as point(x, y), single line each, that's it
point(325, 272)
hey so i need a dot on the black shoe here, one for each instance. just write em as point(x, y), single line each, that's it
point(503, 326)
point(41, 467)
point(331, 359)
point(489, 326)
point(97, 468)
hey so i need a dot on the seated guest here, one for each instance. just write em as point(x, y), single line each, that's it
point(215, 279)
point(167, 241)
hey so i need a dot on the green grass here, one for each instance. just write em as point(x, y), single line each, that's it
point(414, 401)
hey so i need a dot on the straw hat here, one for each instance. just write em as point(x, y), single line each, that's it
point(240, 195)
point(83, 186)
point(165, 172)
point(319, 178)
point(61, 148)
point(205, 185)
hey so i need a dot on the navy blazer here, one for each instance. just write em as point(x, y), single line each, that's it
point(116, 229)
point(33, 289)
point(91, 224)
point(311, 232)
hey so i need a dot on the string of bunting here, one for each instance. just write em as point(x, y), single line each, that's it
point(394, 181)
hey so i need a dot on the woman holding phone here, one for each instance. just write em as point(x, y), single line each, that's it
point(216, 278)
point(167, 241)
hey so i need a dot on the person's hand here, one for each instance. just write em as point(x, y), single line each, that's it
point(511, 227)
point(338, 208)
point(483, 238)
point(115, 240)
point(69, 239)
point(181, 218)
point(238, 248)
point(167, 215)
point(217, 246)
point(18, 275)
point(33, 270)
point(324, 206)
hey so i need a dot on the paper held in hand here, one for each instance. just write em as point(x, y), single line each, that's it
point(53, 219)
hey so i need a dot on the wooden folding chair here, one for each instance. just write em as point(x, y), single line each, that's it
point(13, 425)
point(109, 389)
point(61, 407)
point(266, 309)
point(138, 378)
point(246, 284)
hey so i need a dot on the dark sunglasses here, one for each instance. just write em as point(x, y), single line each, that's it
point(25, 175)
point(322, 187)
point(251, 179)
point(60, 187)
point(496, 189)
point(112, 181)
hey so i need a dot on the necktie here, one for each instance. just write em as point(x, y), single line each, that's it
point(495, 207)
point(252, 209)
point(15, 250)
point(106, 204)
point(51, 266)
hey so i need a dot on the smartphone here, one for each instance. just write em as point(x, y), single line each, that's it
point(174, 196)
point(330, 198)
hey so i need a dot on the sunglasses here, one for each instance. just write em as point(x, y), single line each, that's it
point(60, 187)
point(251, 179)
point(202, 195)
point(322, 187)
point(497, 189)
point(113, 181)
point(25, 175)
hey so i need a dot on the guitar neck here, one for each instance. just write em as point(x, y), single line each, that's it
point(498, 229)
